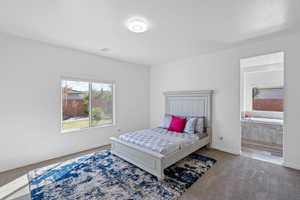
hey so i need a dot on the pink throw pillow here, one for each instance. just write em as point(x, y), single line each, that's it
point(177, 124)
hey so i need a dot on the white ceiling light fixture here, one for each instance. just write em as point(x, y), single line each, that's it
point(137, 24)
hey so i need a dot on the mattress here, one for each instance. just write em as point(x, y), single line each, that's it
point(160, 140)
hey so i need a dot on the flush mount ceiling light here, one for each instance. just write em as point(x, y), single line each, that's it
point(137, 24)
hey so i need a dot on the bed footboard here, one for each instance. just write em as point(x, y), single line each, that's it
point(149, 161)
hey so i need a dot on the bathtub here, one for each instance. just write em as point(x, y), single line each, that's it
point(262, 130)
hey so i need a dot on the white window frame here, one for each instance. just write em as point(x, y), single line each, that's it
point(89, 81)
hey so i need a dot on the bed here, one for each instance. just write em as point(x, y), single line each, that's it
point(143, 149)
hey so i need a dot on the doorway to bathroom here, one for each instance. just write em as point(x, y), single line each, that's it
point(262, 107)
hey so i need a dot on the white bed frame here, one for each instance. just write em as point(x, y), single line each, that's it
point(179, 103)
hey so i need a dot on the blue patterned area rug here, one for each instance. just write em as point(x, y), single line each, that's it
point(102, 175)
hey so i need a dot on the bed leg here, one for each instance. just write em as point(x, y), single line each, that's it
point(161, 177)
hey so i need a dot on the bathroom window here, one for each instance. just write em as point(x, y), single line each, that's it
point(268, 99)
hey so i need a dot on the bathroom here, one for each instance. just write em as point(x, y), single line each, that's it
point(262, 107)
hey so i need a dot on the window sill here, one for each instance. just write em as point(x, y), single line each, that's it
point(264, 114)
point(86, 129)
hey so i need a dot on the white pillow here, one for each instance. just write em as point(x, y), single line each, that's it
point(166, 121)
point(190, 125)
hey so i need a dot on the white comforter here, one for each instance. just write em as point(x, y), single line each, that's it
point(159, 139)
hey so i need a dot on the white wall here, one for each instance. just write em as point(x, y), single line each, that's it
point(221, 72)
point(30, 100)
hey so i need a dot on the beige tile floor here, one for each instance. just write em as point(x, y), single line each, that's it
point(262, 155)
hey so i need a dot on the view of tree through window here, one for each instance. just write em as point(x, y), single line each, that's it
point(86, 104)
point(268, 99)
point(102, 103)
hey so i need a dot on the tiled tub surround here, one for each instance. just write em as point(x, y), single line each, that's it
point(261, 132)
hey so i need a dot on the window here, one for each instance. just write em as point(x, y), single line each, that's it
point(86, 104)
point(268, 99)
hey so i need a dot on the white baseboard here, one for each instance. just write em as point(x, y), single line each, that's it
point(291, 165)
point(48, 158)
point(237, 153)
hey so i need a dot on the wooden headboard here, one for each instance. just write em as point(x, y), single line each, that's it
point(190, 103)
